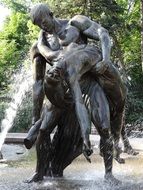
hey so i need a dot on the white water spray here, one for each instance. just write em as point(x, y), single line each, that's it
point(21, 84)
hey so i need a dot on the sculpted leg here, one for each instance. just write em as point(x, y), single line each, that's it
point(127, 146)
point(32, 134)
point(116, 127)
point(106, 147)
point(38, 94)
point(107, 150)
point(42, 147)
point(100, 116)
point(116, 93)
point(43, 143)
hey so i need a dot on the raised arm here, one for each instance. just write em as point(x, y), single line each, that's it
point(105, 43)
point(94, 31)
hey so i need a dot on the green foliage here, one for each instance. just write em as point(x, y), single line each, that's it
point(134, 106)
point(33, 32)
point(21, 6)
point(67, 9)
point(9, 56)
point(13, 45)
point(16, 29)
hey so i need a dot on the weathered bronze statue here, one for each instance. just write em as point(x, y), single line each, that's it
point(82, 82)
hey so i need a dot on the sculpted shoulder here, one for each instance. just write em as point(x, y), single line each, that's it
point(81, 22)
point(88, 27)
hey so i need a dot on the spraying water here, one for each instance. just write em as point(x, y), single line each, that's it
point(21, 84)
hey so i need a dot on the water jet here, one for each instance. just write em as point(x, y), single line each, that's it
point(21, 83)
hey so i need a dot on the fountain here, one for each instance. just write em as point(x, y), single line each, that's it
point(21, 82)
point(84, 173)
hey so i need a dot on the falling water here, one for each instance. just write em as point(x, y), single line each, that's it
point(22, 81)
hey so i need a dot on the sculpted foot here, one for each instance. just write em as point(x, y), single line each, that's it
point(35, 178)
point(58, 175)
point(120, 160)
point(50, 173)
point(111, 180)
point(129, 150)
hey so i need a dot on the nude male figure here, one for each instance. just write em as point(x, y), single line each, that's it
point(68, 32)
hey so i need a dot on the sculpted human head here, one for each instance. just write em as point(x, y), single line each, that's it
point(42, 16)
point(54, 87)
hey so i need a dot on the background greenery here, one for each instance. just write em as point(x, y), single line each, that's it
point(121, 17)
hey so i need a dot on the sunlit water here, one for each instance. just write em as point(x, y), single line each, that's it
point(20, 85)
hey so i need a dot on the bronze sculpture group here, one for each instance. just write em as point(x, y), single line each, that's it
point(81, 86)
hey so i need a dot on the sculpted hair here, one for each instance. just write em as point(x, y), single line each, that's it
point(39, 11)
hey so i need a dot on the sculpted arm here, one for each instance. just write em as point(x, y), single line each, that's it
point(46, 52)
point(81, 110)
point(105, 43)
point(94, 31)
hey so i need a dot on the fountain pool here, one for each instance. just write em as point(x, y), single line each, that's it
point(80, 175)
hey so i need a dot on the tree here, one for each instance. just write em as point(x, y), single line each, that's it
point(14, 45)
point(21, 6)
